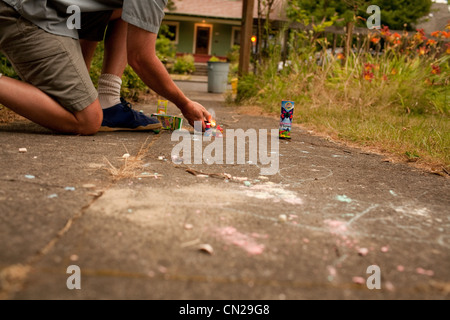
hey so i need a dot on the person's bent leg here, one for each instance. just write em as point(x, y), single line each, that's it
point(115, 58)
point(114, 63)
point(118, 114)
point(115, 53)
point(57, 91)
point(93, 29)
point(33, 104)
point(88, 49)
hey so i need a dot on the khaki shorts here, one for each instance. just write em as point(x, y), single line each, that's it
point(52, 63)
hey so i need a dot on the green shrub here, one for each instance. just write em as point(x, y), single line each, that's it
point(233, 54)
point(214, 59)
point(132, 85)
point(217, 59)
point(6, 68)
point(247, 87)
point(184, 64)
point(233, 59)
point(165, 49)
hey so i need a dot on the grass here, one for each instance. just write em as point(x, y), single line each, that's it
point(412, 138)
point(132, 164)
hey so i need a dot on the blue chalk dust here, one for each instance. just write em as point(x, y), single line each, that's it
point(344, 198)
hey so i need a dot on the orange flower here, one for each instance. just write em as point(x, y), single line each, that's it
point(445, 34)
point(420, 35)
point(431, 42)
point(397, 42)
point(436, 34)
point(385, 31)
point(448, 48)
point(368, 76)
point(341, 56)
point(368, 67)
point(395, 38)
point(436, 69)
point(375, 40)
point(422, 51)
point(394, 71)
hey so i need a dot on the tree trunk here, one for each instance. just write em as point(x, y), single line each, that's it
point(259, 32)
point(267, 24)
point(334, 43)
point(349, 38)
point(246, 34)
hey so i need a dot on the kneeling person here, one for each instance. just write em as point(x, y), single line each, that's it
point(58, 92)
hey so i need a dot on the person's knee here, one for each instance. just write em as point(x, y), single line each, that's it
point(90, 119)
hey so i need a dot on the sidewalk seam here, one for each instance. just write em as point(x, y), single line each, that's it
point(18, 283)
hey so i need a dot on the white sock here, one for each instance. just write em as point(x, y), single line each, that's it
point(109, 86)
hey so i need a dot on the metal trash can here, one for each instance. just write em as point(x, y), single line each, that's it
point(218, 76)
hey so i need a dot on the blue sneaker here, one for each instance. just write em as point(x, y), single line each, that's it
point(122, 117)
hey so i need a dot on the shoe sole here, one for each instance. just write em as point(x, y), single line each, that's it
point(151, 127)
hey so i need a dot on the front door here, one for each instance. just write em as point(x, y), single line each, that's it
point(202, 43)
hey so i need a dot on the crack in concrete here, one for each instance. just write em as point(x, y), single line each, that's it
point(13, 278)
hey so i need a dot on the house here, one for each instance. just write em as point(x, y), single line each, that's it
point(208, 28)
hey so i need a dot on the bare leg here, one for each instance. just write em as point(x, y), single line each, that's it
point(115, 59)
point(33, 104)
point(88, 49)
point(115, 56)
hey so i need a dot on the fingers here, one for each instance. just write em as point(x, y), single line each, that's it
point(198, 113)
point(204, 115)
point(207, 116)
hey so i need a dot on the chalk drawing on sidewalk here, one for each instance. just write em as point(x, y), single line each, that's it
point(232, 236)
point(274, 192)
point(358, 217)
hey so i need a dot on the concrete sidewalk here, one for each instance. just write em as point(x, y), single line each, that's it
point(189, 78)
point(312, 231)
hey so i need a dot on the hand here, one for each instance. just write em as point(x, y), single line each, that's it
point(194, 111)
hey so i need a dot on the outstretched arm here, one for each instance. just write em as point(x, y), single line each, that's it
point(142, 58)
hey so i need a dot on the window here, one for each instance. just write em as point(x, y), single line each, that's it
point(170, 29)
point(236, 36)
